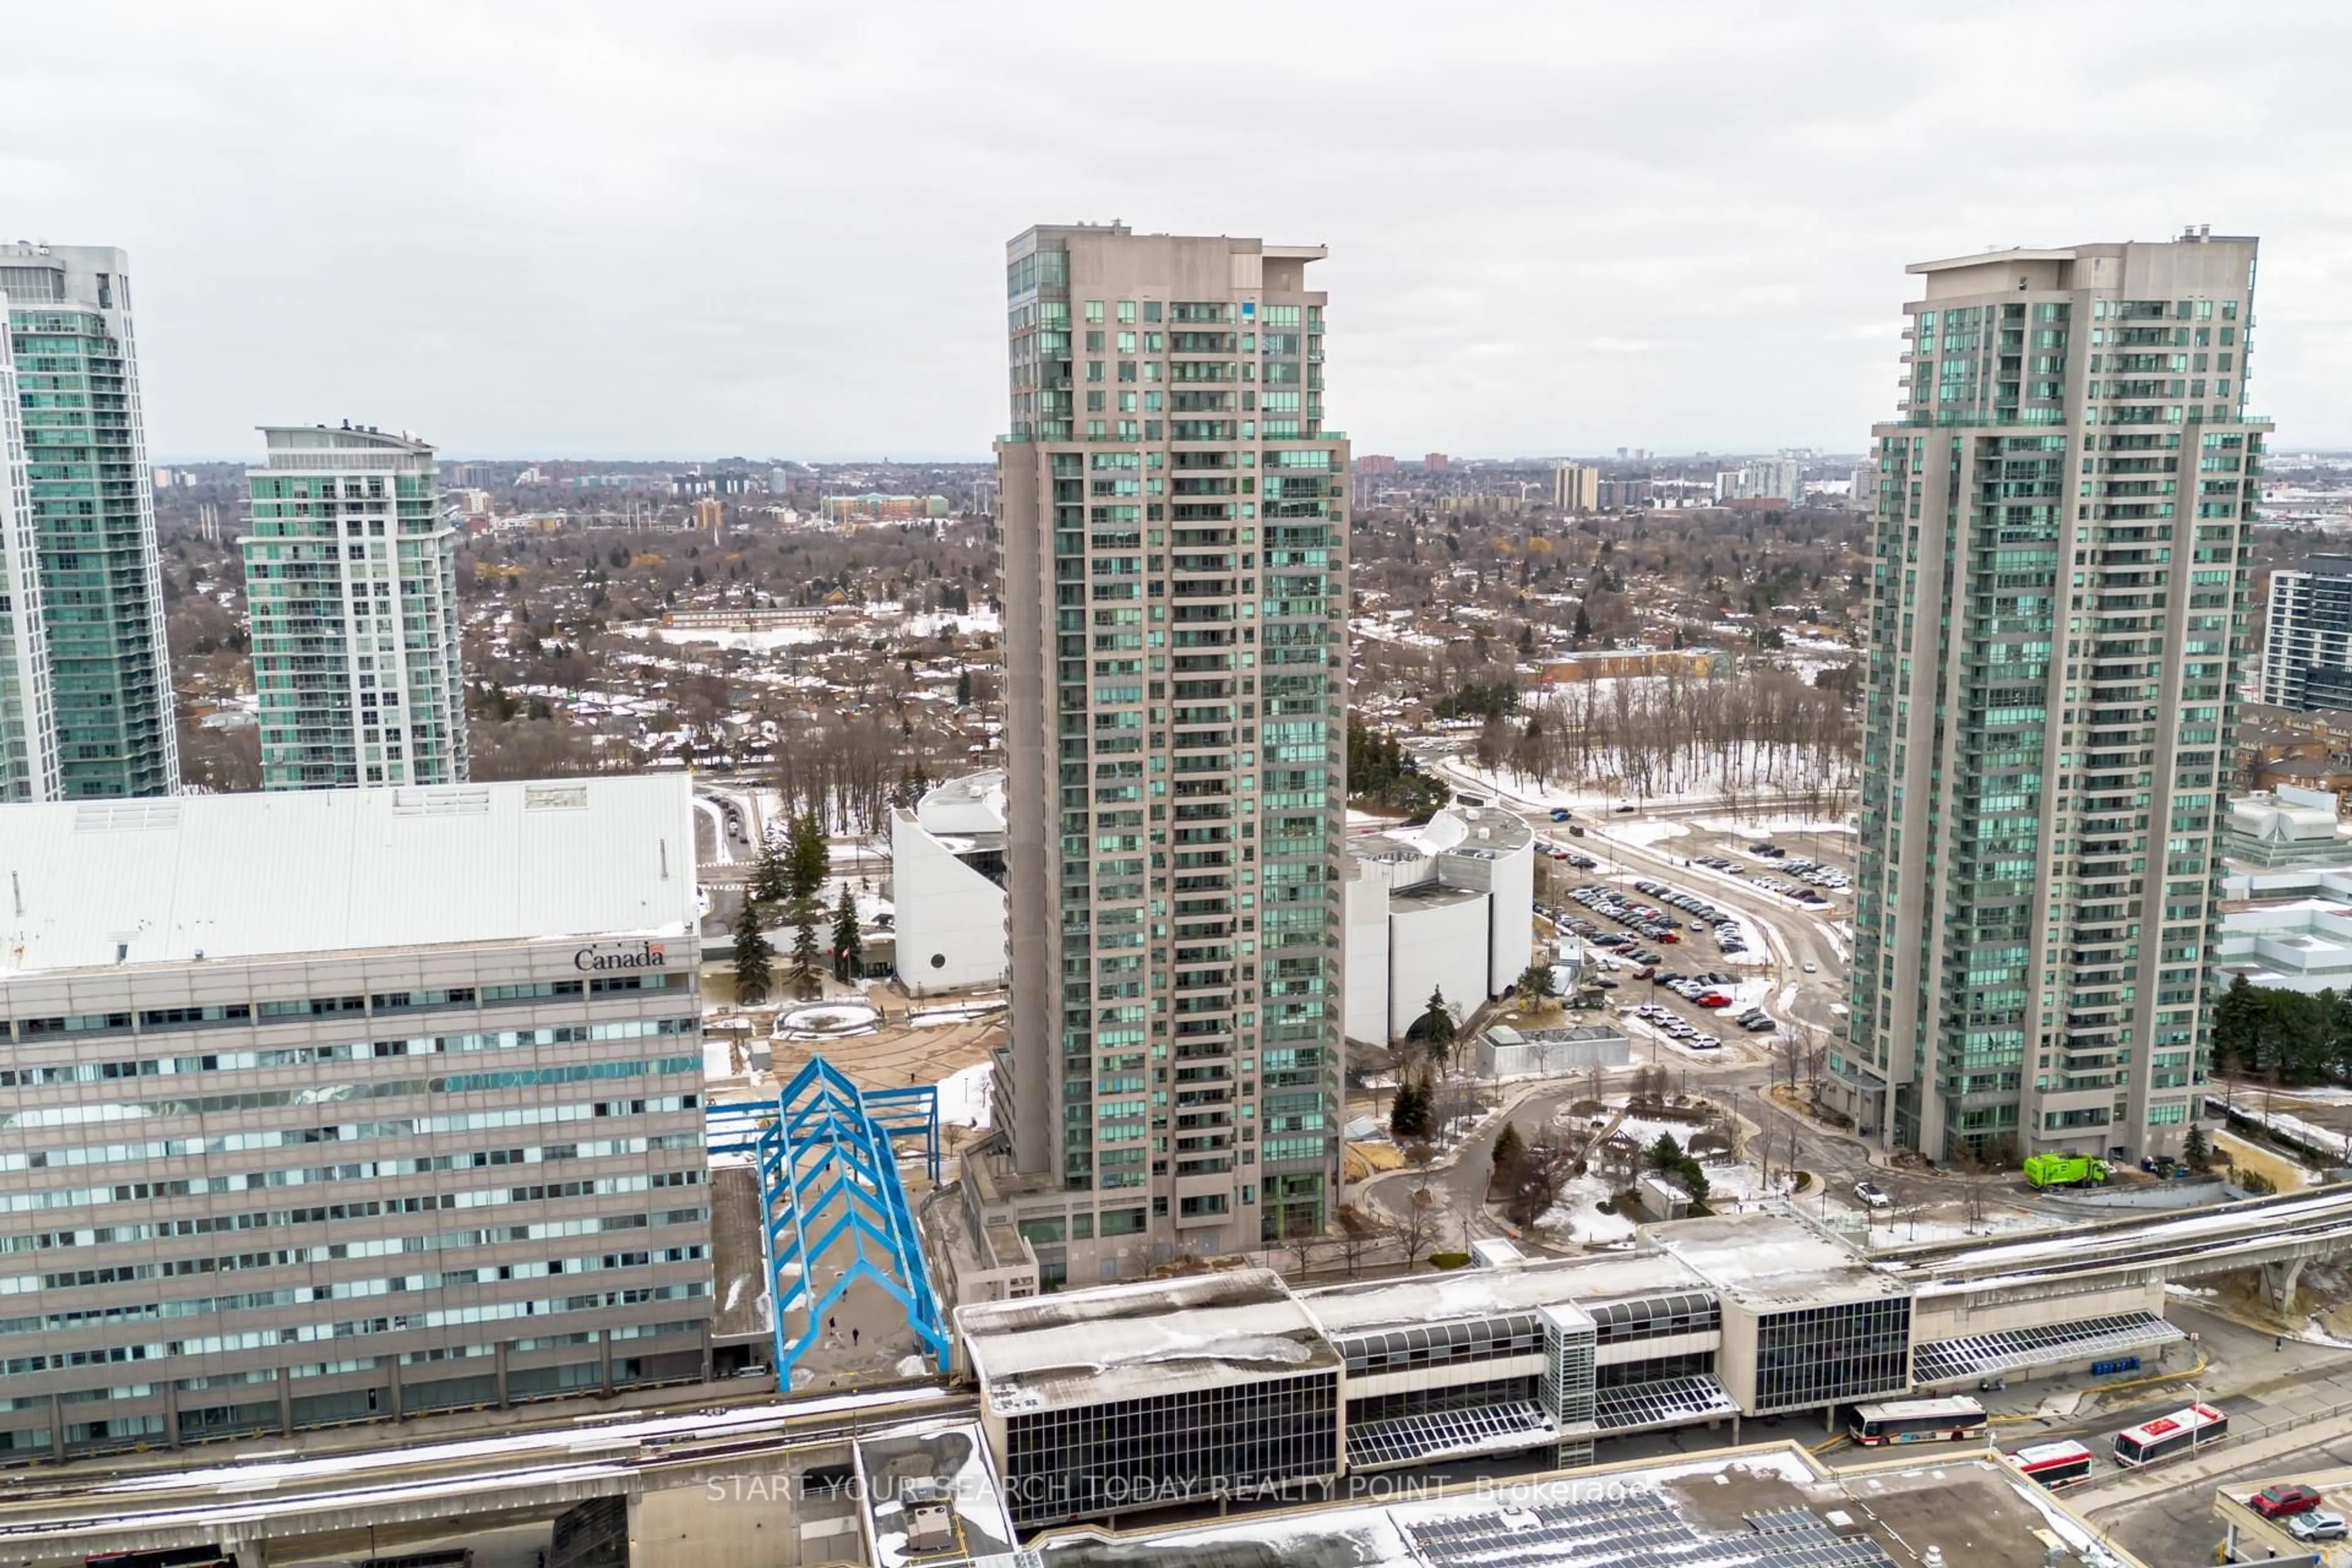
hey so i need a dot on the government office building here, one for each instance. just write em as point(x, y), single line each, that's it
point(415, 1127)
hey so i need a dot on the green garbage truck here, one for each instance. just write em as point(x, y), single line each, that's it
point(2066, 1170)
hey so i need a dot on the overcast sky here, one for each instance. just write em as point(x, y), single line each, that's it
point(688, 229)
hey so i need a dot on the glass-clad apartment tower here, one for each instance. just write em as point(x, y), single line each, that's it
point(2058, 619)
point(94, 518)
point(350, 582)
point(1174, 539)
point(29, 737)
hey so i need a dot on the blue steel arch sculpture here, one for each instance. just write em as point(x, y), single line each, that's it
point(828, 1173)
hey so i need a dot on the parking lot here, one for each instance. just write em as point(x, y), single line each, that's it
point(1646, 931)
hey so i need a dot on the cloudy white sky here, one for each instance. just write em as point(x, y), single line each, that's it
point(776, 228)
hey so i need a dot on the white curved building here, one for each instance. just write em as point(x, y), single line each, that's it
point(1446, 907)
point(946, 886)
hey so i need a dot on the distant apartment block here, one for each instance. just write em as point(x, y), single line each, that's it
point(1575, 487)
point(351, 577)
point(880, 508)
point(1436, 462)
point(1770, 479)
point(2307, 636)
point(2057, 623)
point(92, 499)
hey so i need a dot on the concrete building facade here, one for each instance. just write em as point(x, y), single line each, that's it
point(93, 504)
point(1174, 546)
point(946, 886)
point(1441, 908)
point(1575, 487)
point(1167, 1390)
point(351, 576)
point(2058, 615)
point(295, 1151)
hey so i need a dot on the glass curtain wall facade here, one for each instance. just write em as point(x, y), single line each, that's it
point(1828, 1355)
point(351, 588)
point(29, 737)
point(94, 518)
point(1175, 558)
point(2058, 619)
point(1113, 1457)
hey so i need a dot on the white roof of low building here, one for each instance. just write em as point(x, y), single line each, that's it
point(1149, 1339)
point(1366, 1305)
point(96, 883)
point(1772, 1262)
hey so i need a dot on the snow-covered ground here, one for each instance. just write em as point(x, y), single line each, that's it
point(2289, 1125)
point(964, 1096)
point(1574, 1217)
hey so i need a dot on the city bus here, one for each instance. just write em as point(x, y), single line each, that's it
point(1918, 1421)
point(2182, 1432)
point(2055, 1465)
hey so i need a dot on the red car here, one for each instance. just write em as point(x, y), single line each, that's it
point(1714, 999)
point(2278, 1502)
point(1670, 936)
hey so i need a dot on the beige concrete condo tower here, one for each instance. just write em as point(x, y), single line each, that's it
point(2058, 620)
point(1174, 546)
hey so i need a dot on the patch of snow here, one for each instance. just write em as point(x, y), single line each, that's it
point(964, 1096)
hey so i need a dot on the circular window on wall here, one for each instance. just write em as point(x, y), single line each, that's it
point(939, 961)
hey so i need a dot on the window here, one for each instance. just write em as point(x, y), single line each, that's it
point(1151, 309)
point(1126, 312)
point(1820, 1356)
point(1095, 310)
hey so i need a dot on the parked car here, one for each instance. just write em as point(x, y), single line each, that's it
point(1874, 1196)
point(2317, 1525)
point(2279, 1502)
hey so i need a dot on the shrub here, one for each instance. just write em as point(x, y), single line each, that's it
point(1449, 1260)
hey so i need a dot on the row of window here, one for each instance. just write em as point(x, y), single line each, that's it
point(190, 1017)
point(311, 1333)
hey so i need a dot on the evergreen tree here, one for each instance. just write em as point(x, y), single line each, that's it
point(754, 957)
point(1694, 1179)
point(963, 688)
point(847, 945)
point(2237, 1022)
point(1409, 1114)
point(808, 860)
point(1510, 1152)
point(1581, 632)
point(1436, 1029)
point(1537, 985)
point(1665, 1153)
point(2195, 1151)
point(806, 955)
point(768, 877)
